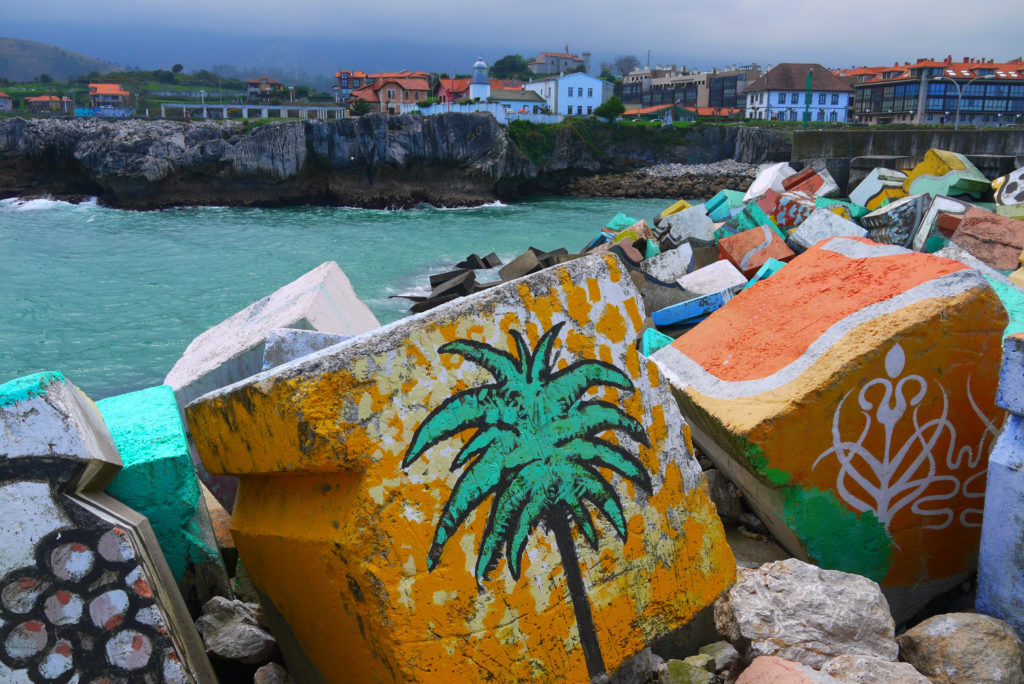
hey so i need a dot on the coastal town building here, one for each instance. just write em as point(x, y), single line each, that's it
point(262, 88)
point(668, 113)
point(49, 104)
point(550, 63)
point(6, 104)
point(576, 94)
point(782, 94)
point(985, 92)
point(393, 95)
point(347, 81)
point(664, 85)
point(107, 95)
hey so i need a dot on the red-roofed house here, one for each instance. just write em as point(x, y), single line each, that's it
point(781, 94)
point(48, 104)
point(107, 95)
point(927, 91)
point(452, 89)
point(553, 63)
point(262, 88)
point(6, 104)
point(393, 95)
point(347, 82)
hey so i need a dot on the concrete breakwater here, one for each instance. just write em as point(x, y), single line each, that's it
point(372, 161)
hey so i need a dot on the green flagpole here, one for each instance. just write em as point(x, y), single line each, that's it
point(807, 98)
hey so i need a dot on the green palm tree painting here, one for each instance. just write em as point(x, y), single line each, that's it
point(536, 450)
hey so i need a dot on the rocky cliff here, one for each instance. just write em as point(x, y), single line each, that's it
point(371, 161)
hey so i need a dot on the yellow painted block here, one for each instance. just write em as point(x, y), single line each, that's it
point(887, 194)
point(1017, 277)
point(673, 209)
point(393, 554)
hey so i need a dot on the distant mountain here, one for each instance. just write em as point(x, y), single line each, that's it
point(23, 60)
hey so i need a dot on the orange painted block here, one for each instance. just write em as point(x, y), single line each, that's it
point(498, 489)
point(851, 395)
point(748, 250)
point(767, 201)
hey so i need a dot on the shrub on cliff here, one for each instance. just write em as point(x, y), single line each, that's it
point(612, 109)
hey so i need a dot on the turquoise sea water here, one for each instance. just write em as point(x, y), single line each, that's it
point(112, 298)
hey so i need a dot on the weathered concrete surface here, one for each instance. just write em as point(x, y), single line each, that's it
point(942, 172)
point(879, 185)
point(690, 225)
point(996, 240)
point(802, 613)
point(911, 143)
point(1010, 396)
point(670, 264)
point(1010, 295)
point(821, 225)
point(792, 208)
point(814, 430)
point(813, 180)
point(964, 647)
point(897, 222)
point(159, 481)
point(86, 592)
point(769, 178)
point(928, 228)
point(287, 344)
point(355, 458)
point(716, 277)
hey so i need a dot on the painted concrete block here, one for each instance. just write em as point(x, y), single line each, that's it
point(689, 225)
point(86, 593)
point(768, 269)
point(1015, 211)
point(158, 480)
point(749, 250)
point(715, 277)
point(1010, 295)
point(1001, 555)
point(878, 186)
point(897, 222)
point(842, 208)
point(942, 172)
point(287, 344)
point(670, 264)
point(858, 416)
point(813, 182)
point(671, 209)
point(996, 240)
point(752, 216)
point(767, 201)
point(692, 311)
point(1010, 396)
point(720, 207)
point(429, 479)
point(792, 209)
point(620, 222)
point(653, 340)
point(322, 299)
point(820, 225)
point(637, 231)
point(1009, 189)
point(1017, 278)
point(929, 226)
point(769, 177)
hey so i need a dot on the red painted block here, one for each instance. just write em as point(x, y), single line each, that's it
point(798, 179)
point(767, 201)
point(748, 250)
point(997, 240)
point(948, 223)
point(792, 208)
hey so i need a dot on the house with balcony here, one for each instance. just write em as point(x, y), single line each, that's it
point(262, 88)
point(393, 95)
point(108, 95)
point(573, 94)
point(782, 94)
point(559, 62)
point(927, 91)
point(347, 81)
point(49, 104)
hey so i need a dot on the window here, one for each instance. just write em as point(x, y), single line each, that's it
point(590, 92)
point(821, 98)
point(782, 98)
point(794, 98)
point(391, 93)
point(579, 110)
point(821, 113)
point(832, 116)
point(835, 98)
point(590, 110)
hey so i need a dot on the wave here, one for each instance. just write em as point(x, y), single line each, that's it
point(44, 204)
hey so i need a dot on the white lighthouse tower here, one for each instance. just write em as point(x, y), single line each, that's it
point(480, 87)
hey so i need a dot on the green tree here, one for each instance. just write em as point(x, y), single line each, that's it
point(611, 109)
point(177, 69)
point(537, 450)
point(510, 66)
point(360, 107)
point(45, 78)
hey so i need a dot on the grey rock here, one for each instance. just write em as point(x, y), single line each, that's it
point(703, 661)
point(964, 647)
point(802, 613)
point(643, 667)
point(870, 670)
point(231, 631)
point(683, 672)
point(723, 653)
point(725, 494)
point(272, 673)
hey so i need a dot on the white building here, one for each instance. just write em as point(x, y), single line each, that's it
point(781, 95)
point(573, 94)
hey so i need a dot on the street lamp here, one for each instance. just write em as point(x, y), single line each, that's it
point(960, 94)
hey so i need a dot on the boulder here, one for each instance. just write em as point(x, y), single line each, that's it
point(928, 228)
point(85, 591)
point(653, 340)
point(271, 673)
point(897, 222)
point(722, 653)
point(942, 172)
point(716, 277)
point(725, 494)
point(996, 240)
point(802, 613)
point(820, 225)
point(792, 208)
point(964, 647)
point(1009, 189)
point(862, 669)
point(770, 177)
point(841, 326)
point(775, 670)
point(157, 480)
point(878, 186)
point(748, 251)
point(1010, 396)
point(683, 672)
point(384, 474)
point(231, 631)
point(287, 344)
point(690, 225)
point(472, 261)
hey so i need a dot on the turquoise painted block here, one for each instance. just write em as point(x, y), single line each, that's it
point(620, 222)
point(768, 268)
point(856, 210)
point(601, 238)
point(652, 249)
point(653, 340)
point(692, 310)
point(158, 479)
point(1012, 299)
point(719, 208)
point(751, 216)
point(28, 386)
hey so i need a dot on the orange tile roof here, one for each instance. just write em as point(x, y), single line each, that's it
point(455, 85)
point(562, 55)
point(3, 94)
point(646, 110)
point(713, 111)
point(498, 84)
point(43, 98)
point(400, 74)
point(353, 74)
point(1012, 70)
point(106, 89)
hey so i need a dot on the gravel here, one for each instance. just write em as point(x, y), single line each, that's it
point(719, 168)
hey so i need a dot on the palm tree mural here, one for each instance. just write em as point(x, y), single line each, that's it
point(537, 451)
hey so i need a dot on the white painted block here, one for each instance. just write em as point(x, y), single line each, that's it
point(715, 277)
point(670, 264)
point(287, 344)
point(1010, 396)
point(820, 225)
point(690, 224)
point(769, 178)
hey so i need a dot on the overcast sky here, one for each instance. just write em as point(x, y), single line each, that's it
point(430, 35)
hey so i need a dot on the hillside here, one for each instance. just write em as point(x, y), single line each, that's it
point(23, 60)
